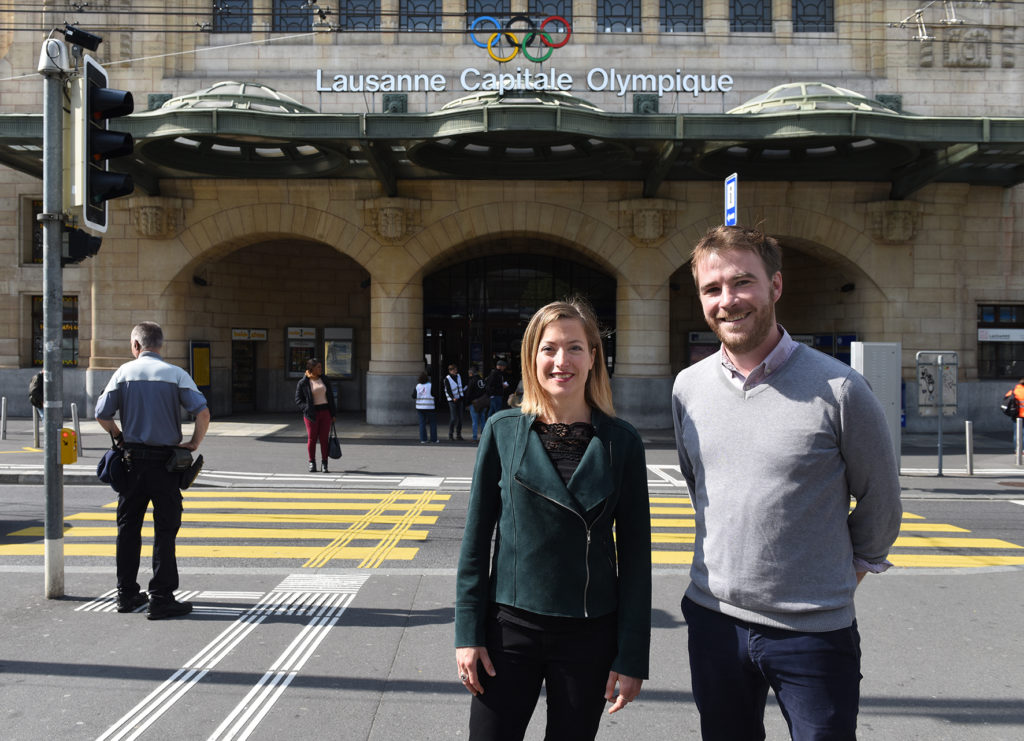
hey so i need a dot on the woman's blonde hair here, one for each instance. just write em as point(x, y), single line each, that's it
point(598, 390)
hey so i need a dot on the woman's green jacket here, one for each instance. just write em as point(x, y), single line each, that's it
point(581, 549)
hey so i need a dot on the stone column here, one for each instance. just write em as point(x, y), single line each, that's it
point(396, 350)
point(642, 384)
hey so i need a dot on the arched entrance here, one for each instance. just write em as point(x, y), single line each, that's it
point(475, 311)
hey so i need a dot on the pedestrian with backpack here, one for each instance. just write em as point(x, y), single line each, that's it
point(1013, 407)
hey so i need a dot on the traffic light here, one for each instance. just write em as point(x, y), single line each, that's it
point(93, 104)
point(77, 245)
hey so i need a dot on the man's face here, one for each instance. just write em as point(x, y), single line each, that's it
point(738, 298)
point(453, 371)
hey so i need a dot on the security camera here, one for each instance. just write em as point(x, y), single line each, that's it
point(82, 38)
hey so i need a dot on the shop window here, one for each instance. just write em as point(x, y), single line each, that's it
point(232, 16)
point(750, 16)
point(359, 15)
point(292, 16)
point(541, 9)
point(69, 323)
point(32, 231)
point(682, 15)
point(618, 16)
point(1001, 341)
point(419, 15)
point(813, 16)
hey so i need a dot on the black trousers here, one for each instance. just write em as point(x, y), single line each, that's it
point(148, 481)
point(455, 421)
point(573, 666)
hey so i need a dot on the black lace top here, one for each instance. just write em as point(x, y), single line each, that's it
point(565, 444)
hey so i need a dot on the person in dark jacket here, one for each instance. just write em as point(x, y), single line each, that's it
point(476, 389)
point(560, 601)
point(496, 385)
point(314, 396)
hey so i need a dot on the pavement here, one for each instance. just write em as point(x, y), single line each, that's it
point(344, 653)
point(228, 450)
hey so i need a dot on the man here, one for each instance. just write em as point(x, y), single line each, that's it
point(774, 439)
point(454, 392)
point(147, 392)
point(1017, 394)
point(496, 387)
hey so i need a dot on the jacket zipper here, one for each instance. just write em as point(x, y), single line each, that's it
point(586, 527)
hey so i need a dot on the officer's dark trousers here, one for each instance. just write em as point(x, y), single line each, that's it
point(573, 667)
point(815, 677)
point(148, 480)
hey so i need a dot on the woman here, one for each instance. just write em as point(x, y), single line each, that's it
point(314, 396)
point(475, 389)
point(425, 408)
point(564, 602)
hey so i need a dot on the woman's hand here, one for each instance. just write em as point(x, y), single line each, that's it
point(629, 688)
point(468, 659)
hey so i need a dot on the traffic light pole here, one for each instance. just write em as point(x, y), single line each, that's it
point(53, 311)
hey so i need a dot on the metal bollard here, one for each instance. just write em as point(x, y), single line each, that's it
point(75, 426)
point(969, 442)
point(1020, 439)
point(35, 428)
point(3, 419)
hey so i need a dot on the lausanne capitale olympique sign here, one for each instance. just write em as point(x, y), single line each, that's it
point(470, 79)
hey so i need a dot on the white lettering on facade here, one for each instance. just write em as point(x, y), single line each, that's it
point(471, 79)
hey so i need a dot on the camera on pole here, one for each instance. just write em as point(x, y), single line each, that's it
point(93, 105)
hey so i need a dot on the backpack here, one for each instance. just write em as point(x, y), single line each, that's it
point(1010, 406)
point(35, 390)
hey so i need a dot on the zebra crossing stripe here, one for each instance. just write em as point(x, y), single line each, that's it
point(323, 606)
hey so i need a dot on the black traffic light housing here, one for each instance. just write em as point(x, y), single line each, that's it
point(77, 245)
point(99, 105)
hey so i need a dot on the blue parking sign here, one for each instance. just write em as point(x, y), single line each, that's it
point(731, 187)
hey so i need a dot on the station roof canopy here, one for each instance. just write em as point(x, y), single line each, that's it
point(796, 132)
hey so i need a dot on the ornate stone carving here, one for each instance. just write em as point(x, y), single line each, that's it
point(156, 217)
point(971, 47)
point(393, 219)
point(894, 222)
point(647, 221)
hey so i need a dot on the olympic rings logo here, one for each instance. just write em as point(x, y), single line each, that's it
point(508, 34)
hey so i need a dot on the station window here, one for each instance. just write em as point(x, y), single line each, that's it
point(750, 16)
point(811, 16)
point(618, 16)
point(541, 9)
point(359, 15)
point(681, 15)
point(232, 16)
point(419, 15)
point(69, 323)
point(292, 16)
point(1001, 340)
point(499, 9)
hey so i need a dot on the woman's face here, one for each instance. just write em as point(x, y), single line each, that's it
point(317, 370)
point(564, 359)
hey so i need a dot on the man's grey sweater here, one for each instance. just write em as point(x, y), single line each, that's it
point(771, 472)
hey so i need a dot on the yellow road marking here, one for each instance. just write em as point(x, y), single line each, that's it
point(672, 522)
point(298, 505)
point(30, 450)
point(672, 537)
point(354, 553)
point(681, 558)
point(387, 545)
point(271, 517)
point(931, 527)
point(313, 495)
point(250, 533)
point(917, 541)
point(938, 560)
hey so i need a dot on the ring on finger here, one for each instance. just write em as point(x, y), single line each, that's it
point(463, 677)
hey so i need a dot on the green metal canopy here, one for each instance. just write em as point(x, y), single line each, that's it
point(795, 132)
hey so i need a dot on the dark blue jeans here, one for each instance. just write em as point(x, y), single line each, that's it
point(428, 417)
point(815, 677)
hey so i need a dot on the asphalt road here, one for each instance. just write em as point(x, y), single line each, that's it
point(281, 649)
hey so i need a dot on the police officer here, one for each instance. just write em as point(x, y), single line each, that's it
point(148, 392)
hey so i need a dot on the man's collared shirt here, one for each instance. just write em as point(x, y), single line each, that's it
point(774, 360)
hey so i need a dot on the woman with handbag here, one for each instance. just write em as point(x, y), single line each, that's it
point(314, 396)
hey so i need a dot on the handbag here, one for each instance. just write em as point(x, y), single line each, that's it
point(111, 469)
point(481, 402)
point(333, 444)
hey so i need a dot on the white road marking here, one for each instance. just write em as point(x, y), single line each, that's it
point(321, 597)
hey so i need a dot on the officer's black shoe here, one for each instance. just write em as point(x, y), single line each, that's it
point(131, 602)
point(161, 608)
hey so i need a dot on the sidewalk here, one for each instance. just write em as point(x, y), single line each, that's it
point(22, 463)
